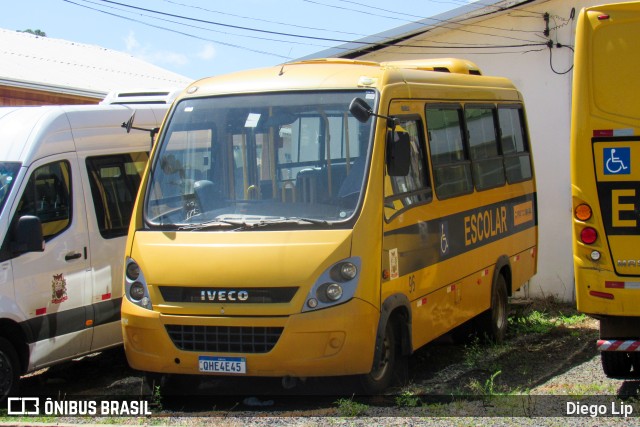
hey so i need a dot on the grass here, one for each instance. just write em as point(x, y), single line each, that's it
point(351, 408)
point(408, 399)
point(544, 317)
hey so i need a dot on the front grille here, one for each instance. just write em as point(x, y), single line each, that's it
point(224, 339)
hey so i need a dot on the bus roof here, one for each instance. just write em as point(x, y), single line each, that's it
point(338, 73)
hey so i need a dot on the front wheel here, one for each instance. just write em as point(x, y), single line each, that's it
point(386, 368)
point(9, 370)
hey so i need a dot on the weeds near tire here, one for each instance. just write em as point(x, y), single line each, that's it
point(350, 408)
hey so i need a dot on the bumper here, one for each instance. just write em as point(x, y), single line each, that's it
point(602, 293)
point(330, 342)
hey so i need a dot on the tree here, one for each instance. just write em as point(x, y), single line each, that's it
point(34, 32)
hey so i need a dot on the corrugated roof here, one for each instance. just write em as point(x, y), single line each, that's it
point(57, 65)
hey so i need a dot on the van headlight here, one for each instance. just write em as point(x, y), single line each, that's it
point(335, 285)
point(135, 288)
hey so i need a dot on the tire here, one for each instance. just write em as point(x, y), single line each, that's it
point(492, 324)
point(9, 370)
point(616, 364)
point(383, 370)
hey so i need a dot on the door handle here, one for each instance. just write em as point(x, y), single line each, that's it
point(72, 255)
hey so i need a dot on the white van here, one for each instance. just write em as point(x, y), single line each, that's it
point(68, 181)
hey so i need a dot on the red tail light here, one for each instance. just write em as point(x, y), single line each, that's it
point(588, 235)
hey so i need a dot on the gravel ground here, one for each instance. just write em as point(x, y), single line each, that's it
point(553, 370)
point(582, 383)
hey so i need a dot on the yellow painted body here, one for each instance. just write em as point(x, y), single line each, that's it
point(338, 340)
point(605, 116)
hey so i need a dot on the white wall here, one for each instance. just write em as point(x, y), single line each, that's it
point(547, 98)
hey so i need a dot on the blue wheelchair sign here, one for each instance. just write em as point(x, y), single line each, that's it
point(617, 161)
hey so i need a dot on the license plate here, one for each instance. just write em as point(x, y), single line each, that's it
point(223, 365)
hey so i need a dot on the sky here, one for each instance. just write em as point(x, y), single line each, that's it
point(199, 38)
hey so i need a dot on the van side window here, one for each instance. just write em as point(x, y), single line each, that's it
point(47, 196)
point(515, 147)
point(451, 165)
point(114, 181)
point(486, 159)
point(415, 187)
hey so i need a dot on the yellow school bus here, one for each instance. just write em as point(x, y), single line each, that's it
point(605, 180)
point(329, 217)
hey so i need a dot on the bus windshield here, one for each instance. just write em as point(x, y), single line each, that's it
point(294, 158)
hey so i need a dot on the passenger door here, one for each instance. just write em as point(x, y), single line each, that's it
point(51, 286)
point(111, 193)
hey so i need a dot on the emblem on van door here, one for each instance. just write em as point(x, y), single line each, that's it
point(58, 289)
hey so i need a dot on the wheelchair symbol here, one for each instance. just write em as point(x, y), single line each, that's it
point(617, 161)
point(444, 244)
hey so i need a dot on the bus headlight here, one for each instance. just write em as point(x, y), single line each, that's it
point(135, 286)
point(333, 291)
point(336, 285)
point(133, 271)
point(136, 291)
point(348, 270)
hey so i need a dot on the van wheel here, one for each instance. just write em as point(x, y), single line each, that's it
point(493, 322)
point(383, 370)
point(616, 364)
point(9, 370)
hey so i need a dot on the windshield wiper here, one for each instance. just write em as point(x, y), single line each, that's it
point(214, 223)
point(291, 220)
point(244, 225)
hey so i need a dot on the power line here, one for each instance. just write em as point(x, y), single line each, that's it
point(450, 21)
point(264, 20)
point(177, 32)
point(201, 28)
point(529, 42)
point(420, 23)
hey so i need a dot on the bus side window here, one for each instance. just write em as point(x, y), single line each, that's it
point(415, 187)
point(486, 160)
point(517, 159)
point(451, 165)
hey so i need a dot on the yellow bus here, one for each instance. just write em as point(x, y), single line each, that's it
point(328, 218)
point(605, 180)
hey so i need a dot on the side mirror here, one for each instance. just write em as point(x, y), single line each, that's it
point(128, 125)
point(363, 112)
point(398, 153)
point(360, 110)
point(27, 235)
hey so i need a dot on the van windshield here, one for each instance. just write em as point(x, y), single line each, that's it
point(257, 159)
point(8, 172)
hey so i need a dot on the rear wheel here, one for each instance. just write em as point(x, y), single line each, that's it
point(616, 364)
point(9, 370)
point(492, 324)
